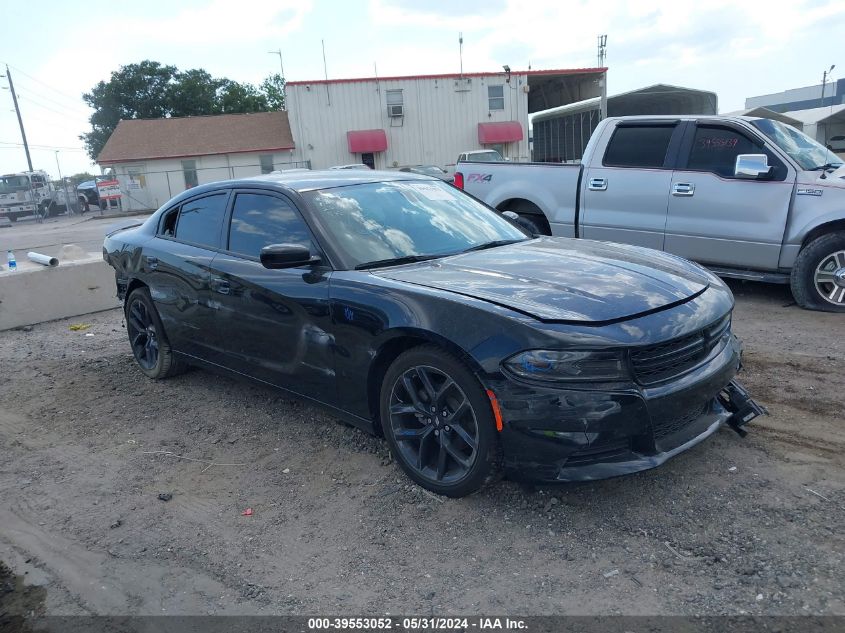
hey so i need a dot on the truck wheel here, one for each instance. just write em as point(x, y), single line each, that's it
point(13, 217)
point(818, 277)
point(83, 205)
point(529, 224)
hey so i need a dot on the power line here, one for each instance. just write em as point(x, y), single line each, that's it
point(56, 90)
point(53, 101)
point(66, 147)
point(67, 113)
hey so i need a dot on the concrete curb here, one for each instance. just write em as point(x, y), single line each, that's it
point(37, 294)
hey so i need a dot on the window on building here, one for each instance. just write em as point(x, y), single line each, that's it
point(266, 161)
point(715, 149)
point(639, 146)
point(496, 97)
point(259, 220)
point(189, 170)
point(395, 102)
point(200, 220)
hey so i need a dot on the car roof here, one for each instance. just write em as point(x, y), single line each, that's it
point(306, 180)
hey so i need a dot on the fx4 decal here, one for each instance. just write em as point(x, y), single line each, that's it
point(479, 177)
point(809, 192)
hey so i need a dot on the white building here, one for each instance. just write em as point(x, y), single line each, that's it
point(388, 122)
point(155, 159)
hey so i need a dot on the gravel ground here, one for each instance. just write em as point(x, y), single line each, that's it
point(733, 526)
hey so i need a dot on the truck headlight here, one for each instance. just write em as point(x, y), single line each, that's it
point(567, 366)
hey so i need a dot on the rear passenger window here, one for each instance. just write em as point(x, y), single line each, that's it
point(638, 146)
point(200, 220)
point(715, 149)
point(259, 220)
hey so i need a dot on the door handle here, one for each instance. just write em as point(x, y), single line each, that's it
point(683, 189)
point(220, 285)
point(152, 262)
point(598, 184)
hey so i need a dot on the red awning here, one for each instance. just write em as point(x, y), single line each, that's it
point(501, 132)
point(364, 141)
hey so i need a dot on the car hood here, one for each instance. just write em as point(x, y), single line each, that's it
point(560, 279)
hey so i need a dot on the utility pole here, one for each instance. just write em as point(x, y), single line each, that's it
point(20, 120)
point(69, 208)
point(282, 66)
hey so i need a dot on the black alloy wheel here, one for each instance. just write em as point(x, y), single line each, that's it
point(150, 346)
point(142, 334)
point(439, 423)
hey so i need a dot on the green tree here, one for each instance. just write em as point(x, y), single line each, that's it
point(80, 177)
point(274, 89)
point(135, 91)
point(193, 92)
point(150, 90)
point(238, 98)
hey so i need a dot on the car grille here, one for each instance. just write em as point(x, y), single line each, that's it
point(656, 363)
point(608, 452)
point(668, 426)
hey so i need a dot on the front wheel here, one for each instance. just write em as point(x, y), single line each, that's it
point(146, 336)
point(818, 277)
point(439, 423)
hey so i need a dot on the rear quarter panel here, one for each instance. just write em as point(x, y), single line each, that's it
point(552, 187)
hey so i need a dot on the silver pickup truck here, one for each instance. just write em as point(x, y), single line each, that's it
point(747, 197)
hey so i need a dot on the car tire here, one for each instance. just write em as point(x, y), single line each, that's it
point(149, 343)
point(84, 207)
point(819, 272)
point(448, 455)
point(13, 217)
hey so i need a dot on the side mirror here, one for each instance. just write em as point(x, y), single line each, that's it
point(275, 256)
point(752, 166)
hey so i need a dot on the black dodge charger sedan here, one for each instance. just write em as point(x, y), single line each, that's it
point(414, 311)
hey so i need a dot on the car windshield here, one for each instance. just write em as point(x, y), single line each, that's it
point(379, 221)
point(808, 153)
point(485, 157)
point(13, 183)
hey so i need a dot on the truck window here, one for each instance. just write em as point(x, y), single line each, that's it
point(638, 146)
point(715, 149)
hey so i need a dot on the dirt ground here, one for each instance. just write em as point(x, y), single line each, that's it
point(733, 526)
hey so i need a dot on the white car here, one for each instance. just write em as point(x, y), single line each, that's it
point(837, 143)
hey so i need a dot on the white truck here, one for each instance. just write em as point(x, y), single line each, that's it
point(30, 192)
point(747, 197)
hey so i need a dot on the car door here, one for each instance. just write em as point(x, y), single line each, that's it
point(273, 325)
point(626, 193)
point(175, 265)
point(715, 218)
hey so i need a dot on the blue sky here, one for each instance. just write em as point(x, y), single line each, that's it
point(737, 49)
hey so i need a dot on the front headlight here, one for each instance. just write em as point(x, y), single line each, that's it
point(567, 366)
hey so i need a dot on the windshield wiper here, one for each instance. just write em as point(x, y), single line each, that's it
point(395, 261)
point(825, 167)
point(493, 244)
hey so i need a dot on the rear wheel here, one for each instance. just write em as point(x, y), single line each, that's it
point(83, 205)
point(146, 336)
point(818, 277)
point(438, 422)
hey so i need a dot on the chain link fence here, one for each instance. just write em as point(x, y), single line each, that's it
point(148, 190)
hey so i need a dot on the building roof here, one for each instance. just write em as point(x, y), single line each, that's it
point(655, 99)
point(835, 113)
point(180, 137)
point(765, 113)
point(529, 73)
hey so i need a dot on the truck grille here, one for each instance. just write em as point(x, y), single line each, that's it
point(655, 363)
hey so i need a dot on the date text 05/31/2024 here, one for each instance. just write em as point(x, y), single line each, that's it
point(416, 624)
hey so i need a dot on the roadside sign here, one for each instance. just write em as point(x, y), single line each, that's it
point(109, 190)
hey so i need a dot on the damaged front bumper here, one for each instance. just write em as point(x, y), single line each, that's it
point(554, 435)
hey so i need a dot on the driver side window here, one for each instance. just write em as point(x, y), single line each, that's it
point(715, 148)
point(259, 220)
